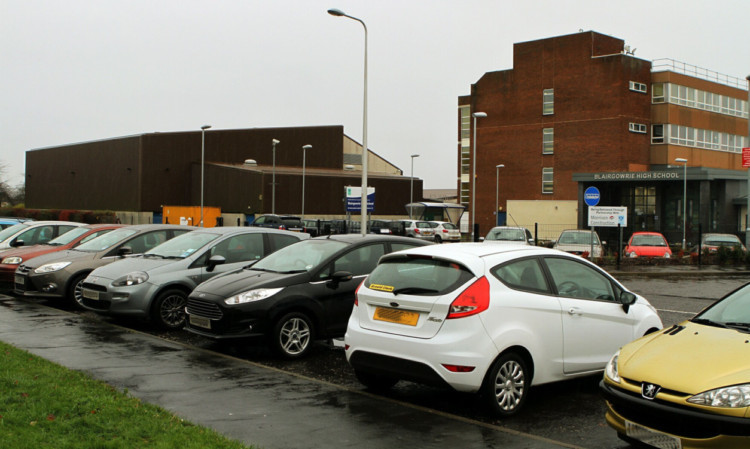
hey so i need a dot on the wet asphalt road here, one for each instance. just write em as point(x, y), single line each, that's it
point(570, 412)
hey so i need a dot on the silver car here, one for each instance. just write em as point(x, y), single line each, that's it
point(156, 284)
point(419, 229)
point(509, 234)
point(60, 274)
point(34, 233)
point(580, 242)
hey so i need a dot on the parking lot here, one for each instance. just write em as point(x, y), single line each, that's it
point(563, 414)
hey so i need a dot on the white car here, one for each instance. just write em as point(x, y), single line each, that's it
point(445, 231)
point(493, 319)
point(419, 229)
point(509, 234)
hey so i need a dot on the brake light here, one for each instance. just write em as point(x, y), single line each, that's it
point(282, 227)
point(445, 230)
point(416, 230)
point(475, 299)
point(356, 292)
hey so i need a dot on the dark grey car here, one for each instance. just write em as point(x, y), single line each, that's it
point(60, 274)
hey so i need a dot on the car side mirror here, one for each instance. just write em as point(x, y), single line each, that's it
point(339, 277)
point(16, 243)
point(214, 261)
point(627, 299)
point(124, 251)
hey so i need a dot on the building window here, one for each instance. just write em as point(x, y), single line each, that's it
point(657, 93)
point(637, 128)
point(657, 133)
point(700, 138)
point(547, 180)
point(699, 99)
point(548, 102)
point(548, 140)
point(638, 87)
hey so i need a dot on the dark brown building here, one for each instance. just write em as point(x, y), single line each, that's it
point(581, 110)
point(144, 172)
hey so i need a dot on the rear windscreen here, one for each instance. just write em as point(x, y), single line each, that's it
point(418, 275)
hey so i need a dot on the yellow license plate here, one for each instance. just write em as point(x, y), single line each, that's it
point(396, 316)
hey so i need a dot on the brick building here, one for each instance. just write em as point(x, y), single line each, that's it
point(581, 110)
point(144, 172)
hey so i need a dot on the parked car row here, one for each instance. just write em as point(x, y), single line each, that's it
point(483, 318)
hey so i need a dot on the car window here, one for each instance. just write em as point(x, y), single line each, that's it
point(734, 308)
point(37, 236)
point(68, 237)
point(279, 241)
point(648, 240)
point(240, 248)
point(574, 279)
point(7, 232)
point(523, 274)
point(306, 255)
point(146, 241)
point(259, 221)
point(93, 235)
point(62, 229)
point(420, 276)
point(359, 261)
point(107, 240)
point(449, 226)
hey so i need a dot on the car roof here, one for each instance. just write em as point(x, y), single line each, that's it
point(356, 238)
point(471, 254)
point(228, 230)
point(648, 233)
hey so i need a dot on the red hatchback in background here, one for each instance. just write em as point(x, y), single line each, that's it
point(11, 259)
point(648, 244)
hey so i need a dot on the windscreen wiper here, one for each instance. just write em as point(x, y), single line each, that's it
point(708, 322)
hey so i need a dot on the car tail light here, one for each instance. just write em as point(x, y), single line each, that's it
point(282, 227)
point(445, 230)
point(475, 299)
point(416, 230)
point(356, 293)
point(458, 368)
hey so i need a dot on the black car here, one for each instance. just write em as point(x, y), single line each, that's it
point(283, 222)
point(296, 295)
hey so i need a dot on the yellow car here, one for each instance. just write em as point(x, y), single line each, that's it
point(687, 386)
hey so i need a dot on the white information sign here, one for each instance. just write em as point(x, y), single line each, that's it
point(608, 216)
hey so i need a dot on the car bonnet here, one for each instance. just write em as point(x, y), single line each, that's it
point(235, 282)
point(689, 358)
point(59, 256)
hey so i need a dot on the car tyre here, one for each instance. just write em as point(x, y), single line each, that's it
point(75, 290)
point(292, 335)
point(168, 311)
point(438, 239)
point(507, 384)
point(375, 382)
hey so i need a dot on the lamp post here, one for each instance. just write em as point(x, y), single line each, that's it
point(363, 204)
point(273, 177)
point(497, 193)
point(474, 236)
point(304, 149)
point(203, 153)
point(684, 197)
point(411, 183)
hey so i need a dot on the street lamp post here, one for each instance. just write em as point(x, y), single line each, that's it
point(474, 235)
point(304, 149)
point(363, 204)
point(203, 153)
point(273, 177)
point(497, 193)
point(411, 183)
point(684, 197)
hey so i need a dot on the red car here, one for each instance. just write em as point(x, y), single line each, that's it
point(12, 258)
point(648, 244)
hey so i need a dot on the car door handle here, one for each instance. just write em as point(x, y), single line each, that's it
point(574, 311)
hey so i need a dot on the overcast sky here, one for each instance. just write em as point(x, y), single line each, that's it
point(80, 70)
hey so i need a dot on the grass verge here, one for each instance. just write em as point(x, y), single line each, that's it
point(45, 405)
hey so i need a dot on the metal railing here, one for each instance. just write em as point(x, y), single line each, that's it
point(670, 65)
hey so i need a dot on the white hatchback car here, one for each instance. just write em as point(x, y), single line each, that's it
point(445, 231)
point(494, 319)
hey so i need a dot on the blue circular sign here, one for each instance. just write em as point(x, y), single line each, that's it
point(591, 196)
